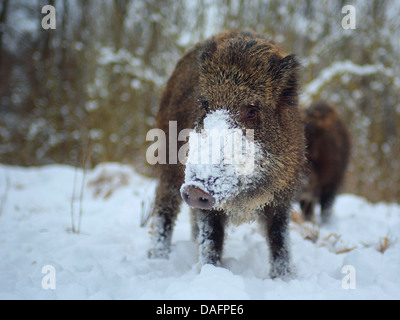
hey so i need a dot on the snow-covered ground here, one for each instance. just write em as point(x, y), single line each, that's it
point(108, 259)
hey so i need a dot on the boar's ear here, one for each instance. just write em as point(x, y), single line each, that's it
point(209, 49)
point(286, 80)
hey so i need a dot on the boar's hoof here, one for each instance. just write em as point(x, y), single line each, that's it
point(197, 198)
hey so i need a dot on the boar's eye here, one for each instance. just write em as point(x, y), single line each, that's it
point(204, 104)
point(250, 113)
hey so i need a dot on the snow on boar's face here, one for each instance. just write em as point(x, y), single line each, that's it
point(247, 148)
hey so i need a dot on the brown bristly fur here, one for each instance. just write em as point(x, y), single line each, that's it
point(328, 151)
point(232, 71)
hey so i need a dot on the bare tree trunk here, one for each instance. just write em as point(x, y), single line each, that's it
point(47, 39)
point(120, 11)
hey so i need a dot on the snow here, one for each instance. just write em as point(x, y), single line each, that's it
point(108, 258)
point(345, 68)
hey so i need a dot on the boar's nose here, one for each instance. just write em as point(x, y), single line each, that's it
point(197, 198)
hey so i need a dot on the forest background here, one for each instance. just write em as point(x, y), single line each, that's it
point(88, 91)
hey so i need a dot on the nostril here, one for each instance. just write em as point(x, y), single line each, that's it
point(197, 198)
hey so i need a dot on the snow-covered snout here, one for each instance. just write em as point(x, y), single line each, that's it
point(221, 157)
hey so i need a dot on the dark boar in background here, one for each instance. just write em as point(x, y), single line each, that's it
point(328, 150)
point(234, 81)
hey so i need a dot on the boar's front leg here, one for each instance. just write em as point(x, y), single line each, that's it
point(210, 235)
point(276, 221)
point(165, 211)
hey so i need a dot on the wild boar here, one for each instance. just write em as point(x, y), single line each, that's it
point(245, 85)
point(328, 151)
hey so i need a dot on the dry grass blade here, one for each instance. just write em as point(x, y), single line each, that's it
point(384, 244)
point(311, 233)
point(297, 217)
point(146, 213)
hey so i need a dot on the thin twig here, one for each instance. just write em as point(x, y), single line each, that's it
point(72, 201)
point(85, 163)
point(4, 196)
